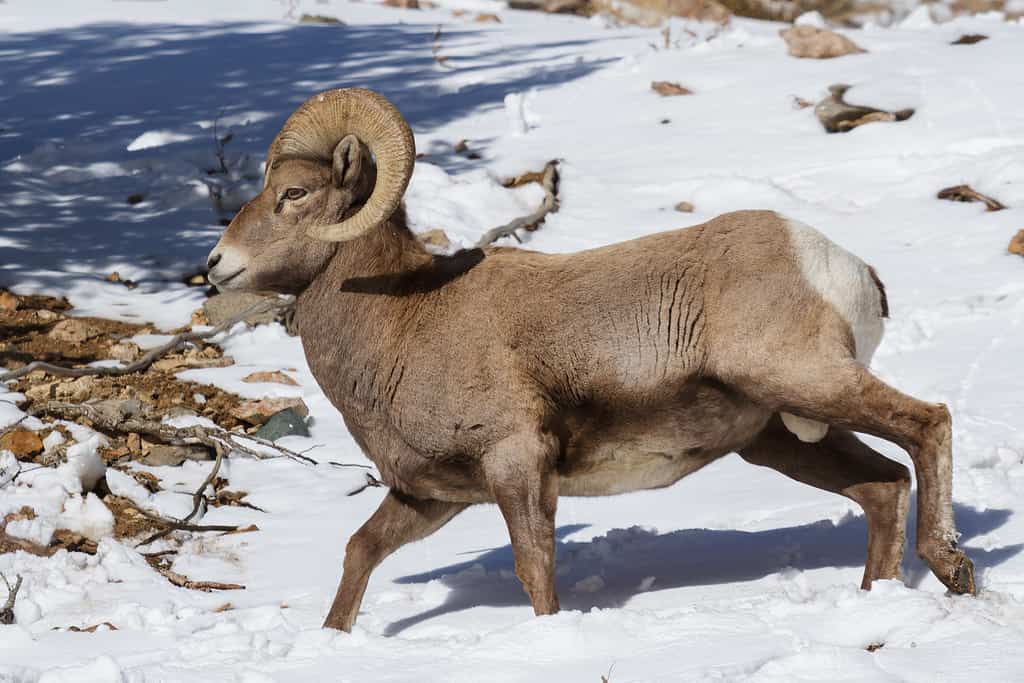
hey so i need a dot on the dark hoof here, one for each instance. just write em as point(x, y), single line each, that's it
point(962, 579)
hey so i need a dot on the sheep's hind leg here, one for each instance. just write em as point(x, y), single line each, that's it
point(848, 396)
point(843, 464)
point(400, 519)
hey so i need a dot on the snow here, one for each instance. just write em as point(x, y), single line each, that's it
point(733, 574)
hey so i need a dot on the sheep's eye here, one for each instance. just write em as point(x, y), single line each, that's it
point(294, 193)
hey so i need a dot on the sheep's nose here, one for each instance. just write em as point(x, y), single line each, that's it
point(212, 262)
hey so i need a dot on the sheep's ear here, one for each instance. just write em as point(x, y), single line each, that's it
point(347, 163)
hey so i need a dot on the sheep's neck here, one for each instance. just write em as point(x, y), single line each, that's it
point(351, 317)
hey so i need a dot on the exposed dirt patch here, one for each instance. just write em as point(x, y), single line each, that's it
point(36, 328)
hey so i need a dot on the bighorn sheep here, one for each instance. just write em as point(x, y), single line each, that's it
point(509, 376)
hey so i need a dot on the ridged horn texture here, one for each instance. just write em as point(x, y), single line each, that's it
point(316, 128)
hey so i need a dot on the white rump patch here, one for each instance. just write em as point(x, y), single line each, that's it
point(808, 431)
point(844, 281)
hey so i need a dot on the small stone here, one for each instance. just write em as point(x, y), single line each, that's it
point(1017, 244)
point(74, 331)
point(135, 443)
point(162, 455)
point(258, 412)
point(684, 207)
point(199, 318)
point(75, 391)
point(402, 4)
point(125, 351)
point(134, 199)
point(460, 146)
point(285, 423)
point(969, 39)
point(8, 301)
point(435, 238)
point(40, 393)
point(24, 443)
point(810, 42)
point(669, 89)
point(116, 278)
point(487, 18)
point(275, 377)
point(46, 316)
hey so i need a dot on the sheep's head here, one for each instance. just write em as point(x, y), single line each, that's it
point(337, 170)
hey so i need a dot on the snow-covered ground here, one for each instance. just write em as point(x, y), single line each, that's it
point(734, 573)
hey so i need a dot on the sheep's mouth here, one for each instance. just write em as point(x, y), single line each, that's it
point(229, 278)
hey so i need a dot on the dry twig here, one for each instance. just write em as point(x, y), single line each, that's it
point(966, 193)
point(549, 182)
point(212, 437)
point(148, 359)
point(7, 612)
point(164, 569)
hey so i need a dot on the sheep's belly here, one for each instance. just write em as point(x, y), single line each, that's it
point(656, 447)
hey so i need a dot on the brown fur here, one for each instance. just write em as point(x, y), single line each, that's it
point(510, 376)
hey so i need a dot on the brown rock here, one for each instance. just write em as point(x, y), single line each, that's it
point(402, 4)
point(40, 393)
point(75, 391)
point(669, 89)
point(72, 541)
point(162, 455)
point(684, 207)
point(8, 301)
point(1017, 244)
point(199, 318)
point(258, 412)
point(116, 277)
point(135, 444)
point(487, 18)
point(435, 238)
point(24, 443)
point(810, 42)
point(969, 39)
point(125, 351)
point(655, 12)
point(275, 377)
point(74, 331)
point(228, 305)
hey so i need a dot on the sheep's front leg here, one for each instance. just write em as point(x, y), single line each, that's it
point(400, 519)
point(521, 477)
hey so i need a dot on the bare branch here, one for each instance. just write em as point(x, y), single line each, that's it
point(212, 437)
point(158, 563)
point(548, 181)
point(7, 612)
point(155, 354)
point(198, 509)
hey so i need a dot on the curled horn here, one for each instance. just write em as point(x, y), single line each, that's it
point(317, 126)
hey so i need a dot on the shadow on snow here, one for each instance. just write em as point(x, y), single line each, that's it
point(72, 101)
point(635, 560)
